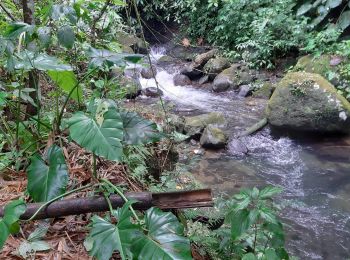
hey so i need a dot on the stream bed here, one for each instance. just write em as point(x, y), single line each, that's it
point(314, 171)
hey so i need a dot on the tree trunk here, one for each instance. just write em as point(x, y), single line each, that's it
point(33, 79)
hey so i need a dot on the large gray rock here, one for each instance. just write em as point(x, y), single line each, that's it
point(152, 92)
point(131, 87)
point(203, 58)
point(265, 91)
point(165, 60)
point(233, 77)
point(308, 102)
point(244, 91)
point(213, 138)
point(191, 71)
point(147, 73)
point(216, 65)
point(181, 80)
point(195, 125)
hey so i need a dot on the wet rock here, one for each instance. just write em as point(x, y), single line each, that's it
point(195, 125)
point(182, 53)
point(203, 58)
point(165, 60)
point(213, 138)
point(308, 102)
point(147, 73)
point(203, 80)
point(131, 87)
point(135, 43)
point(237, 147)
point(181, 80)
point(152, 92)
point(244, 91)
point(178, 122)
point(227, 79)
point(265, 92)
point(191, 71)
point(216, 65)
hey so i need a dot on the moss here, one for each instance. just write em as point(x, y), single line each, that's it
point(265, 91)
point(320, 65)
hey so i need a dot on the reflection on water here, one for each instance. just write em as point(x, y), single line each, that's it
point(315, 174)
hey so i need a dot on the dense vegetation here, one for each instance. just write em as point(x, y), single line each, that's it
point(62, 85)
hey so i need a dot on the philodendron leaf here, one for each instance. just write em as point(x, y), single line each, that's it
point(138, 130)
point(9, 223)
point(66, 36)
point(47, 178)
point(67, 81)
point(44, 36)
point(106, 237)
point(101, 135)
point(164, 238)
point(27, 60)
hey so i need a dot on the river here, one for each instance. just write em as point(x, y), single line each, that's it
point(314, 171)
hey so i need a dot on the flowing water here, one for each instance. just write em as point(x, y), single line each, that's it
point(313, 171)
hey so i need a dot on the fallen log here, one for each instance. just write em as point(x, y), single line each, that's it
point(145, 200)
point(254, 128)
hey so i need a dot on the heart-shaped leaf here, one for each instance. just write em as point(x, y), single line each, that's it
point(44, 36)
point(138, 130)
point(47, 178)
point(66, 36)
point(107, 238)
point(164, 239)
point(27, 60)
point(67, 81)
point(9, 223)
point(101, 135)
point(15, 29)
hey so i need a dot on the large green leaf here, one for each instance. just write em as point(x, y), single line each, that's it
point(102, 134)
point(59, 10)
point(44, 36)
point(9, 223)
point(106, 237)
point(27, 60)
point(240, 222)
point(15, 29)
point(66, 36)
point(47, 178)
point(164, 238)
point(304, 9)
point(333, 3)
point(66, 80)
point(100, 57)
point(344, 20)
point(138, 130)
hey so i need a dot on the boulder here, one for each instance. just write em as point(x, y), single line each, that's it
point(237, 147)
point(195, 125)
point(165, 60)
point(244, 91)
point(320, 65)
point(181, 80)
point(178, 122)
point(191, 71)
point(152, 92)
point(130, 87)
point(308, 102)
point(203, 58)
point(135, 43)
point(213, 138)
point(203, 80)
point(216, 65)
point(147, 73)
point(265, 91)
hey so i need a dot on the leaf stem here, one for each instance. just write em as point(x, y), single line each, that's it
point(121, 194)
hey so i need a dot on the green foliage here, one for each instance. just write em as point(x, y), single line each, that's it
point(251, 230)
point(161, 237)
point(100, 133)
point(47, 178)
point(9, 223)
point(68, 82)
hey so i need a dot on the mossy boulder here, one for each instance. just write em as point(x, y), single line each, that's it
point(135, 43)
point(320, 65)
point(130, 87)
point(265, 91)
point(165, 60)
point(149, 72)
point(216, 65)
point(233, 77)
point(213, 138)
point(195, 125)
point(308, 102)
